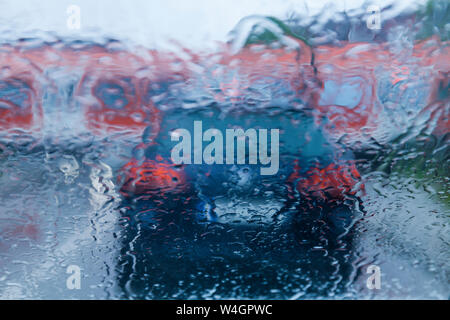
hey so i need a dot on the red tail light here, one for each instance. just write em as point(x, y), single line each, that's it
point(335, 180)
point(150, 176)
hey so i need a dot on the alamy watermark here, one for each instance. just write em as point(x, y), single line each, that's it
point(74, 18)
point(214, 151)
point(74, 280)
point(373, 21)
point(374, 280)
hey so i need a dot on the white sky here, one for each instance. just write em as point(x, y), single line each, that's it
point(195, 23)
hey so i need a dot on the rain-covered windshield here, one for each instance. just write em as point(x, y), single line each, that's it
point(224, 150)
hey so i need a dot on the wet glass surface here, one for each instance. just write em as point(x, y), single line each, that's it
point(89, 119)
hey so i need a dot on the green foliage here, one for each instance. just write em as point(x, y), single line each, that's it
point(267, 36)
point(435, 20)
